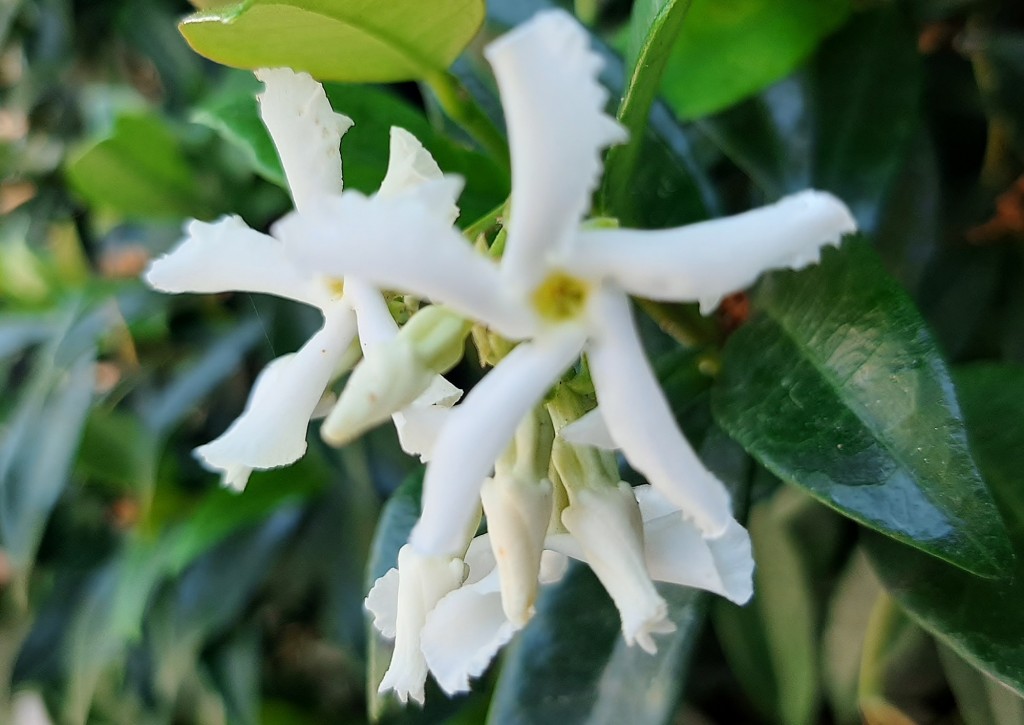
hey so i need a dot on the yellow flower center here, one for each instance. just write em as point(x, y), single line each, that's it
point(560, 297)
point(336, 286)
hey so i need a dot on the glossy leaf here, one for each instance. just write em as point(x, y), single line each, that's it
point(571, 665)
point(364, 41)
point(727, 51)
point(843, 124)
point(839, 388)
point(980, 699)
point(138, 171)
point(979, 619)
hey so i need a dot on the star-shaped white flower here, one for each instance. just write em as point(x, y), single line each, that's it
point(465, 628)
point(226, 255)
point(560, 288)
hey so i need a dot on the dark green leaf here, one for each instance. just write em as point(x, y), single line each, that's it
point(980, 699)
point(235, 116)
point(727, 51)
point(978, 619)
point(839, 388)
point(138, 171)
point(356, 42)
point(571, 665)
point(842, 125)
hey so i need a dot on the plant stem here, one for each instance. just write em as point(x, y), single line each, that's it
point(461, 108)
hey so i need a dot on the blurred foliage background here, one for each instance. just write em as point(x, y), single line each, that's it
point(134, 590)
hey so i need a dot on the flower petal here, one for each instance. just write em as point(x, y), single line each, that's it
point(422, 582)
point(402, 244)
point(272, 430)
point(418, 428)
point(677, 553)
point(464, 632)
point(554, 111)
point(640, 421)
point(306, 131)
point(226, 256)
point(477, 432)
point(382, 603)
point(606, 523)
point(410, 167)
point(706, 261)
point(589, 430)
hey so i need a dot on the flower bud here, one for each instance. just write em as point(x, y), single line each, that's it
point(606, 523)
point(393, 374)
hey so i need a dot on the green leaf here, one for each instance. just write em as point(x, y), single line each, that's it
point(235, 116)
point(772, 643)
point(727, 51)
point(654, 27)
point(358, 41)
point(39, 438)
point(117, 450)
point(843, 125)
point(978, 619)
point(571, 665)
point(981, 699)
point(138, 171)
point(839, 388)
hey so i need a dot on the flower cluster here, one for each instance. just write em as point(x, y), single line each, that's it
point(521, 447)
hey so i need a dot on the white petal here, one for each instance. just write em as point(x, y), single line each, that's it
point(236, 478)
point(677, 553)
point(589, 430)
point(29, 708)
point(640, 421)
point(401, 244)
point(374, 320)
point(706, 261)
point(418, 428)
point(554, 111)
point(306, 131)
point(478, 431)
point(606, 523)
point(463, 633)
point(410, 166)
point(382, 603)
point(226, 256)
point(518, 512)
point(422, 582)
point(272, 430)
point(419, 424)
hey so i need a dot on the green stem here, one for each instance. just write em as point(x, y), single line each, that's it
point(485, 222)
point(682, 324)
point(636, 105)
point(461, 108)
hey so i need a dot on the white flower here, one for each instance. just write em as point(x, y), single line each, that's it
point(227, 255)
point(560, 288)
point(467, 627)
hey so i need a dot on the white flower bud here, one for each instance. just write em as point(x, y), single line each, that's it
point(607, 525)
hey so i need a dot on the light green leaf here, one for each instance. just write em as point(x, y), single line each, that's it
point(729, 50)
point(138, 171)
point(357, 41)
